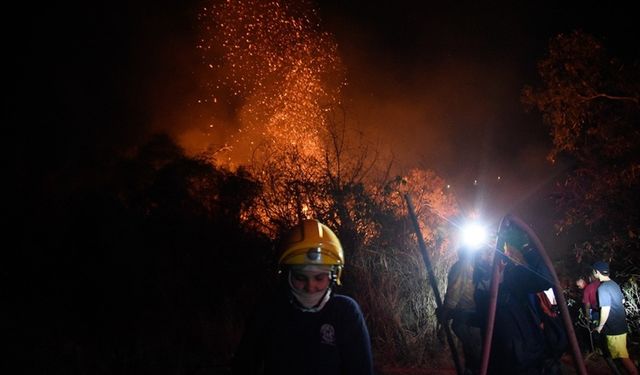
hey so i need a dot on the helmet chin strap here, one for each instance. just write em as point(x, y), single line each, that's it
point(309, 302)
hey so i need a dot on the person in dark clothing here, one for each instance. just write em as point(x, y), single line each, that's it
point(306, 328)
point(519, 344)
point(613, 322)
point(550, 321)
point(459, 306)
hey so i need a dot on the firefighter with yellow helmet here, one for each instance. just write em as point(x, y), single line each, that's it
point(306, 328)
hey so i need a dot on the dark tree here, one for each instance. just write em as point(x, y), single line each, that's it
point(591, 103)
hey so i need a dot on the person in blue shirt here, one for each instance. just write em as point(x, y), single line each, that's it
point(305, 327)
point(613, 320)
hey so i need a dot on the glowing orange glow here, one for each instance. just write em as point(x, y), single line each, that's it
point(276, 67)
point(280, 75)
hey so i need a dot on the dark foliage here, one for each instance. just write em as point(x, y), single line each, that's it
point(590, 102)
point(139, 266)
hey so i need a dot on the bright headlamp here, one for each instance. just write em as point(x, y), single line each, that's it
point(473, 235)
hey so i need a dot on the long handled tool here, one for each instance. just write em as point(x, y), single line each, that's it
point(433, 282)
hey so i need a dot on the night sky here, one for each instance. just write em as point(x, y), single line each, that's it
point(447, 76)
point(439, 82)
point(442, 80)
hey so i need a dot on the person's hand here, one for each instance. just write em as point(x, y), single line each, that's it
point(598, 329)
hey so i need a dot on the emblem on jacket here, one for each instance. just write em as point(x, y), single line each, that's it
point(327, 334)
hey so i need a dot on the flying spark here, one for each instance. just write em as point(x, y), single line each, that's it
point(279, 70)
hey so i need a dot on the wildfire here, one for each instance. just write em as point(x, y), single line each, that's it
point(275, 68)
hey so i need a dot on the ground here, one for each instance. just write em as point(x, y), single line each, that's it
point(594, 364)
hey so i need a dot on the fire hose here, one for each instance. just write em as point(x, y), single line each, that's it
point(566, 318)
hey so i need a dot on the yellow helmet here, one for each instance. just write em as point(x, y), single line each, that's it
point(313, 243)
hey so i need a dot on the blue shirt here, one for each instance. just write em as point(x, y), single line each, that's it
point(609, 294)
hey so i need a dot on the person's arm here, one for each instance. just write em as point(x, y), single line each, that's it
point(357, 356)
point(587, 293)
point(604, 315)
point(587, 310)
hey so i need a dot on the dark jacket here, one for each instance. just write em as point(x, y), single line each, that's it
point(280, 339)
point(519, 345)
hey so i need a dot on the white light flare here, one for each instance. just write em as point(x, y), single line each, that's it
point(474, 235)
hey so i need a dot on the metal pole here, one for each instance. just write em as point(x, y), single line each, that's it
point(433, 282)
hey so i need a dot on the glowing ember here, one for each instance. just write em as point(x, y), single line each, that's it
point(274, 66)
